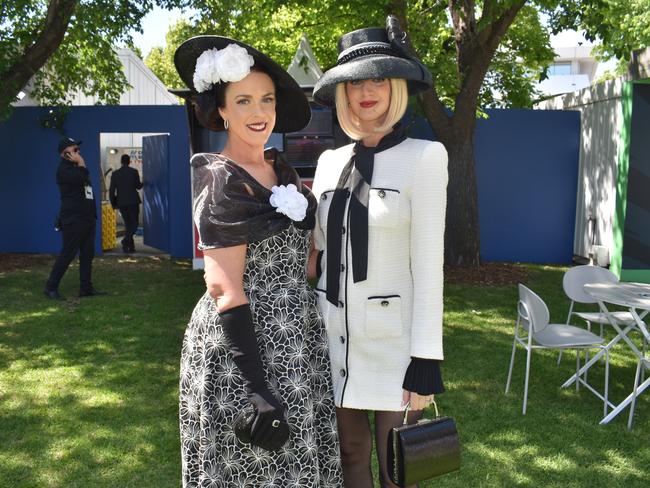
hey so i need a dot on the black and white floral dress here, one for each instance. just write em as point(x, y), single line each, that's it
point(231, 208)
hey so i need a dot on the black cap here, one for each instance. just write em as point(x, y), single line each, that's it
point(67, 142)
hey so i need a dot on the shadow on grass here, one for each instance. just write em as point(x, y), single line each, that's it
point(91, 385)
point(558, 442)
point(88, 388)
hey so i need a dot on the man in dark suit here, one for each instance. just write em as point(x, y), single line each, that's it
point(125, 183)
point(77, 219)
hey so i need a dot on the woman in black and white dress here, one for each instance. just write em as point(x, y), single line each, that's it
point(256, 405)
point(379, 230)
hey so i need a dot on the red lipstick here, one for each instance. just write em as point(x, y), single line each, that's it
point(368, 103)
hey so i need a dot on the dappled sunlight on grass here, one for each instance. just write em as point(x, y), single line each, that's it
point(89, 387)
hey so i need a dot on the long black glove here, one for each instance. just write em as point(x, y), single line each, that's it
point(265, 426)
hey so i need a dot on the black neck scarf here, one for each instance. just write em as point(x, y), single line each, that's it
point(354, 182)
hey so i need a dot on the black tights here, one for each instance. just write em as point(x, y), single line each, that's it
point(356, 444)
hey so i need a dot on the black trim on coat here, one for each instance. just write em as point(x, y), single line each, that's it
point(347, 330)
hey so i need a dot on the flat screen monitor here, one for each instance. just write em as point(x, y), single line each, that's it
point(303, 151)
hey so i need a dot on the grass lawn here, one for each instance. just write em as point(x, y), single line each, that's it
point(88, 388)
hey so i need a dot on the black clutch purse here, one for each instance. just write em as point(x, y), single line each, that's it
point(424, 450)
point(243, 428)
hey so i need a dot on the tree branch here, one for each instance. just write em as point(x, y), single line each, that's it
point(463, 16)
point(476, 55)
point(497, 29)
point(435, 113)
point(488, 10)
point(17, 75)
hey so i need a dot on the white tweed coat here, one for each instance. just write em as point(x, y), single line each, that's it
point(397, 312)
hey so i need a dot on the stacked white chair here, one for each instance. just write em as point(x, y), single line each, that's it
point(643, 363)
point(573, 283)
point(533, 331)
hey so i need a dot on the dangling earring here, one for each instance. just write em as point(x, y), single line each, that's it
point(225, 124)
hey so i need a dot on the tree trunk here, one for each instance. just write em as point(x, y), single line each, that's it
point(475, 48)
point(462, 234)
point(16, 76)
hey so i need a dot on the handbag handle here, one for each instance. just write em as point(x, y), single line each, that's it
point(408, 406)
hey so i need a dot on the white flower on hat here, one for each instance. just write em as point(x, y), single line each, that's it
point(289, 201)
point(232, 63)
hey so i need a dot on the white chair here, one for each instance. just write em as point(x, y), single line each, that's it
point(573, 283)
point(643, 363)
point(536, 333)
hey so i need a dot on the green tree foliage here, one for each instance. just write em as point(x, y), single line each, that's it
point(493, 61)
point(276, 27)
point(63, 46)
point(619, 26)
point(161, 59)
point(482, 53)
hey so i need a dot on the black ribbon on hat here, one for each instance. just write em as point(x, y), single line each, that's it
point(400, 41)
point(354, 182)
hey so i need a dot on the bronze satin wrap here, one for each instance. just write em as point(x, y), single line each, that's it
point(232, 208)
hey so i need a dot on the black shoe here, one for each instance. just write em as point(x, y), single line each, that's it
point(92, 292)
point(52, 294)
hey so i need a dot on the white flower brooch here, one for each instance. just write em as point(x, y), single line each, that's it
point(232, 63)
point(289, 201)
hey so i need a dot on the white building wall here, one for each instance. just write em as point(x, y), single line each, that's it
point(146, 88)
point(583, 70)
point(601, 124)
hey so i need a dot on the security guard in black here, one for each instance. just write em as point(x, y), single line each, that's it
point(77, 200)
point(78, 217)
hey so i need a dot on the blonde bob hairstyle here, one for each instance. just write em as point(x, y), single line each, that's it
point(349, 122)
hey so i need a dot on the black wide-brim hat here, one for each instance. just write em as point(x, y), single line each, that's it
point(373, 53)
point(292, 107)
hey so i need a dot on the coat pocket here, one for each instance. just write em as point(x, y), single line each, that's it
point(384, 316)
point(383, 207)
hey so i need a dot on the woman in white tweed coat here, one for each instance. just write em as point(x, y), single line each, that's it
point(379, 247)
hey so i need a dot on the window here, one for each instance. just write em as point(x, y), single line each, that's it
point(559, 69)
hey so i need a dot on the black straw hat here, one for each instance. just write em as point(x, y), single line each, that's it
point(292, 108)
point(373, 53)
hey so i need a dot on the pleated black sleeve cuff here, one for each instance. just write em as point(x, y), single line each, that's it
point(423, 377)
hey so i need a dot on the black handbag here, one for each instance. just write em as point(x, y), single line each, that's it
point(243, 428)
point(424, 450)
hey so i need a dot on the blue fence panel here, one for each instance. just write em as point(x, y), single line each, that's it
point(527, 177)
point(28, 190)
point(526, 165)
